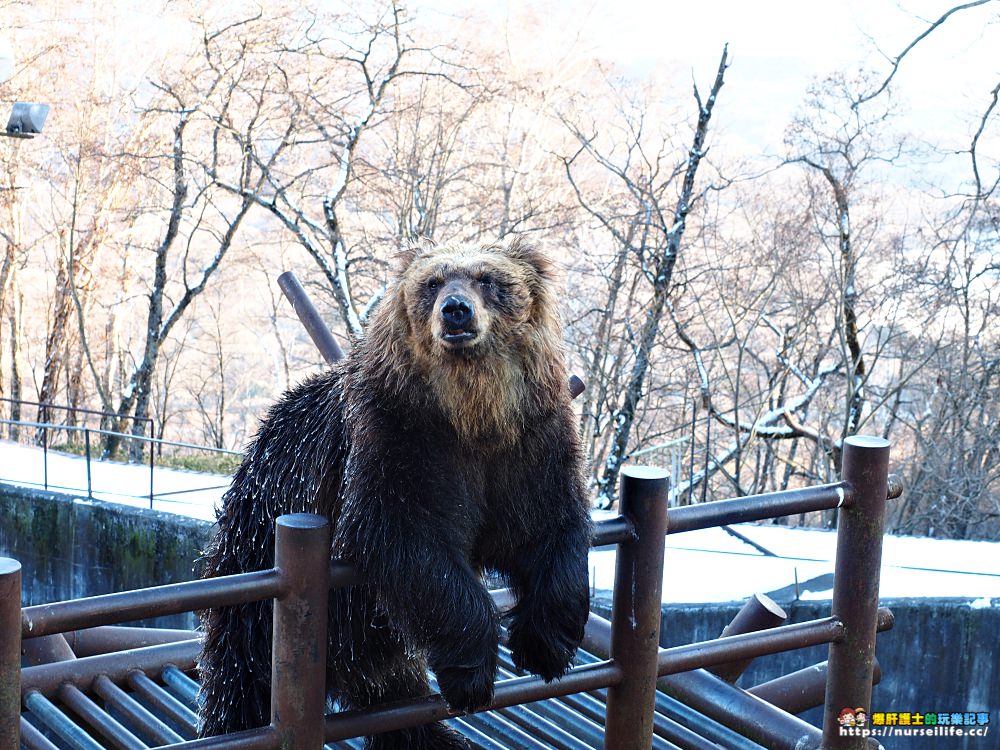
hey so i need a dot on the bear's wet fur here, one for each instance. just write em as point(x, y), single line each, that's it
point(443, 445)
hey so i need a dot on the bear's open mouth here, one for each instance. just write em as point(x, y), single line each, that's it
point(459, 336)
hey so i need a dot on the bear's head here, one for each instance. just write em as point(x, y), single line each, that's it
point(478, 325)
point(475, 300)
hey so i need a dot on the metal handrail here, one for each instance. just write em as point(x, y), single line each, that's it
point(76, 409)
point(87, 431)
point(636, 661)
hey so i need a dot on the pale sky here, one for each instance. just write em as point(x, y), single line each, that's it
point(778, 46)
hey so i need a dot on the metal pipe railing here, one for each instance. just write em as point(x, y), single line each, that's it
point(298, 661)
point(10, 652)
point(170, 599)
point(88, 457)
point(303, 573)
point(635, 624)
point(855, 586)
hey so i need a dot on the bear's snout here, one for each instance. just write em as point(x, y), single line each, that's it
point(458, 313)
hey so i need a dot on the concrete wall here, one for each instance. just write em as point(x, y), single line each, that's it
point(941, 655)
point(70, 547)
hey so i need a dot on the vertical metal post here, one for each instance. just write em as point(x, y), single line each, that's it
point(45, 456)
point(86, 444)
point(855, 585)
point(10, 653)
point(635, 617)
point(151, 446)
point(298, 664)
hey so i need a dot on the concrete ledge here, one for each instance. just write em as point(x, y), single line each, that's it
point(71, 547)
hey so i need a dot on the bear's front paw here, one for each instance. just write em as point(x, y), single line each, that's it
point(466, 688)
point(546, 645)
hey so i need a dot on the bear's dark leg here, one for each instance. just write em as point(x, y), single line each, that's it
point(551, 582)
point(369, 664)
point(235, 669)
point(417, 523)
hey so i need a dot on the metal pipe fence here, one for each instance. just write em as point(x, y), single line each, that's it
point(303, 574)
point(90, 460)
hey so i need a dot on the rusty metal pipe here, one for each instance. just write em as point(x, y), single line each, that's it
point(855, 585)
point(749, 645)
point(298, 664)
point(413, 712)
point(265, 738)
point(611, 531)
point(636, 608)
point(736, 709)
point(801, 690)
point(758, 507)
point(310, 318)
point(110, 638)
point(46, 678)
point(10, 653)
point(759, 613)
point(173, 598)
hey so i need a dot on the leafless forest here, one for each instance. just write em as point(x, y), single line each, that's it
point(758, 309)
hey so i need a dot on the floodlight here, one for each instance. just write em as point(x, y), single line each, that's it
point(26, 119)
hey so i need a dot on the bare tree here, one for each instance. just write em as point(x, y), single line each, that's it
point(652, 234)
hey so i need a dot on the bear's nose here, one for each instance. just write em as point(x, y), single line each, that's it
point(457, 311)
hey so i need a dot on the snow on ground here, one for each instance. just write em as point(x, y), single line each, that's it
point(708, 565)
point(714, 566)
point(186, 493)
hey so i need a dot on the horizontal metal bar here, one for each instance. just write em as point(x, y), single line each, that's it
point(408, 713)
point(173, 598)
point(77, 409)
point(801, 690)
point(750, 645)
point(611, 531)
point(126, 435)
point(110, 638)
point(734, 510)
point(265, 738)
point(46, 678)
point(757, 507)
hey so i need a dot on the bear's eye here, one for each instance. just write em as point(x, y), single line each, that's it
point(487, 282)
point(433, 284)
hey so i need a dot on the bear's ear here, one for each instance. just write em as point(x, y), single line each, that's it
point(409, 253)
point(523, 251)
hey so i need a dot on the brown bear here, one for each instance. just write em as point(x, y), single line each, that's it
point(444, 445)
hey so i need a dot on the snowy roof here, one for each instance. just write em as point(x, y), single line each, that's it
point(712, 565)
